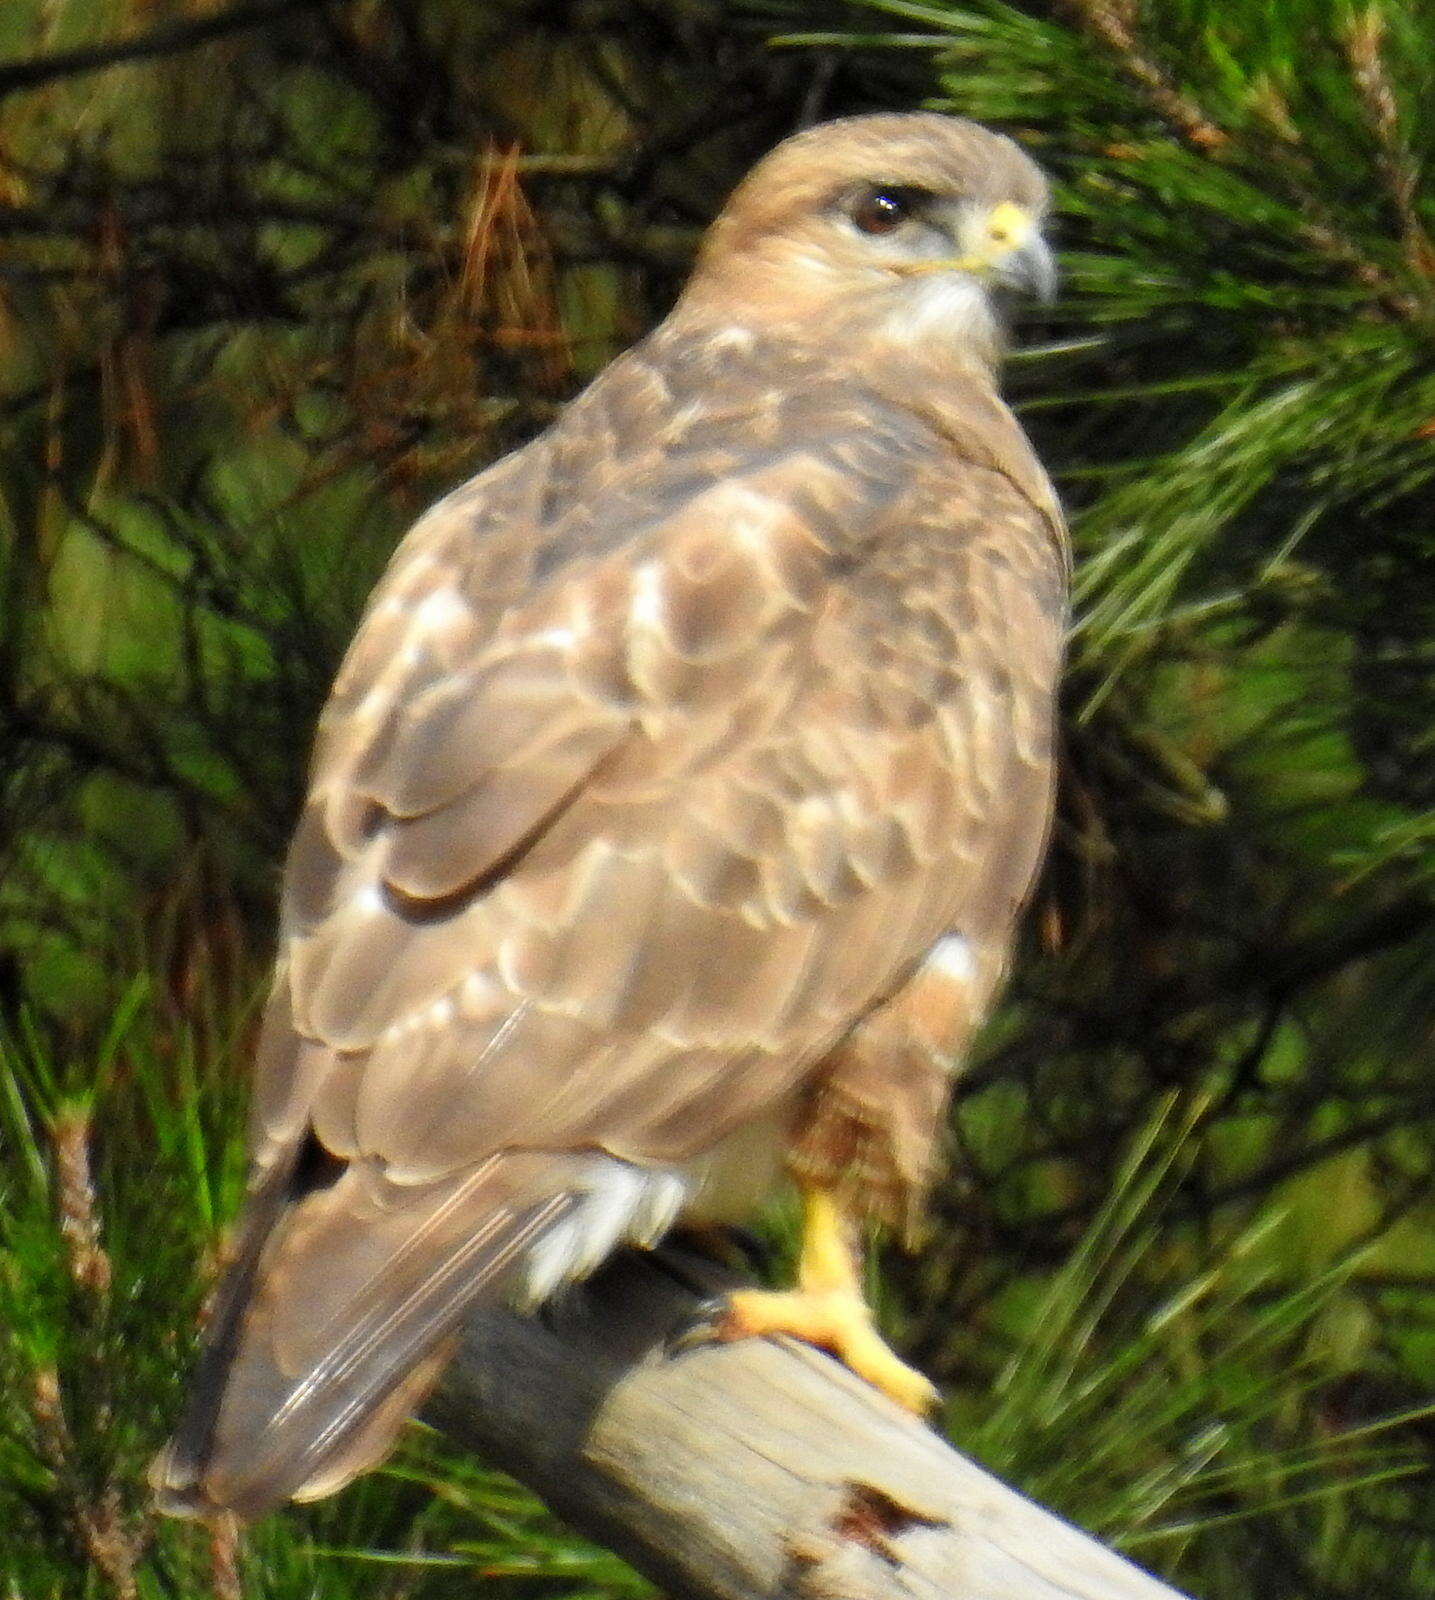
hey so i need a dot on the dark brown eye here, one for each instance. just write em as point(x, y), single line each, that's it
point(882, 210)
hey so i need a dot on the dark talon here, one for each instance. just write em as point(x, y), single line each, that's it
point(701, 1326)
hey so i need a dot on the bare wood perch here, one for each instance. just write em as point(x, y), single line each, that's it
point(748, 1471)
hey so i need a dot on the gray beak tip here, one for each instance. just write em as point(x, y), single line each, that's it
point(1033, 270)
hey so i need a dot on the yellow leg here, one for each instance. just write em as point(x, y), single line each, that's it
point(827, 1308)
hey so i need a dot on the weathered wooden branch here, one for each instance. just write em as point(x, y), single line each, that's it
point(748, 1471)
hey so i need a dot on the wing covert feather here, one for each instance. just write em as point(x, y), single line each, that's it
point(702, 800)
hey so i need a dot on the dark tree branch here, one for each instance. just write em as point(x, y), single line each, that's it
point(174, 38)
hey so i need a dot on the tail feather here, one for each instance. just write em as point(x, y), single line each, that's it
point(333, 1322)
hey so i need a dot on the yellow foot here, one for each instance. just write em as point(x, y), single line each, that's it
point(837, 1320)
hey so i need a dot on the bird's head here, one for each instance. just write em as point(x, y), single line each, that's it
point(907, 230)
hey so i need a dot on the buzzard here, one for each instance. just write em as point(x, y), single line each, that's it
point(669, 817)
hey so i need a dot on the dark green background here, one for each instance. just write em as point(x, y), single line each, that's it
point(273, 275)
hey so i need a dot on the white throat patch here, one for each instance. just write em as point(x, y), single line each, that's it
point(947, 308)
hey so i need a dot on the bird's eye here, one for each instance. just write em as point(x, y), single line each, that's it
point(882, 211)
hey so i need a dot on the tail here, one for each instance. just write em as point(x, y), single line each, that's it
point(334, 1320)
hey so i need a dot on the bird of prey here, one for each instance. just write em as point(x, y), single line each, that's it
point(669, 818)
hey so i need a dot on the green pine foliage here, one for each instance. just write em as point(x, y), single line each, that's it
point(266, 289)
point(119, 1172)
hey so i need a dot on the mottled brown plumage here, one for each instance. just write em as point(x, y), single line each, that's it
point(670, 814)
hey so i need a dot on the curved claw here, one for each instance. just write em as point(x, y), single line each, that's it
point(702, 1325)
point(836, 1321)
point(825, 1310)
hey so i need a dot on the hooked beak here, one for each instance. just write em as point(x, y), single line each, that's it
point(1030, 268)
point(1004, 247)
point(1008, 243)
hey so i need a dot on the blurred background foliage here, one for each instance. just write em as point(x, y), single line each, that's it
point(274, 273)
